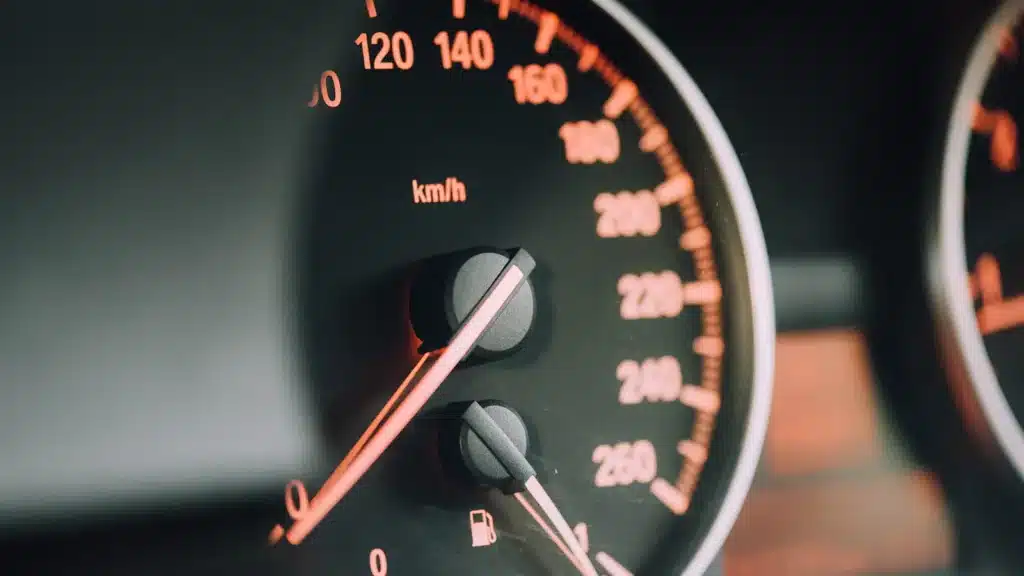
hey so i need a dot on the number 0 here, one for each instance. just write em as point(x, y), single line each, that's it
point(330, 97)
point(378, 562)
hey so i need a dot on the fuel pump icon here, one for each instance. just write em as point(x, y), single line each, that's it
point(481, 528)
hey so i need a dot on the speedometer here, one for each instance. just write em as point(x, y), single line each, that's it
point(534, 300)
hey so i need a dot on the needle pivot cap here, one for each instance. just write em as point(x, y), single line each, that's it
point(446, 288)
point(490, 444)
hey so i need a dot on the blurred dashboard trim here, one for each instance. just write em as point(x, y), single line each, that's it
point(817, 292)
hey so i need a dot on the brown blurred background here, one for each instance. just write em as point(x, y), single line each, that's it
point(836, 493)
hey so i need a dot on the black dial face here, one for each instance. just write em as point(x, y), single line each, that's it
point(555, 210)
point(981, 241)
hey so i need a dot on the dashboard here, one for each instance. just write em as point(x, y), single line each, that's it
point(511, 287)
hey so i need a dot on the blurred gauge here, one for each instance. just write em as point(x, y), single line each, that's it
point(977, 243)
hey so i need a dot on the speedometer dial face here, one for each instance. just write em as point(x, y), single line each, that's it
point(978, 263)
point(534, 300)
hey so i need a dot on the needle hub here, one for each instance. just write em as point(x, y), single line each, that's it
point(487, 441)
point(446, 288)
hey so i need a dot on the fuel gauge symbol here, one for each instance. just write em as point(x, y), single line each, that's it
point(481, 528)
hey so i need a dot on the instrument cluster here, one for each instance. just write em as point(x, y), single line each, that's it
point(484, 287)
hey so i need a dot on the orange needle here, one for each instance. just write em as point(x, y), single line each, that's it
point(579, 555)
point(547, 530)
point(358, 447)
point(465, 338)
point(278, 532)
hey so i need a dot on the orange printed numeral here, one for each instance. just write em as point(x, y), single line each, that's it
point(474, 50)
point(653, 380)
point(378, 562)
point(329, 90)
point(651, 295)
point(627, 214)
point(589, 142)
point(995, 313)
point(398, 45)
point(625, 463)
point(296, 503)
point(986, 283)
point(538, 84)
point(999, 125)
